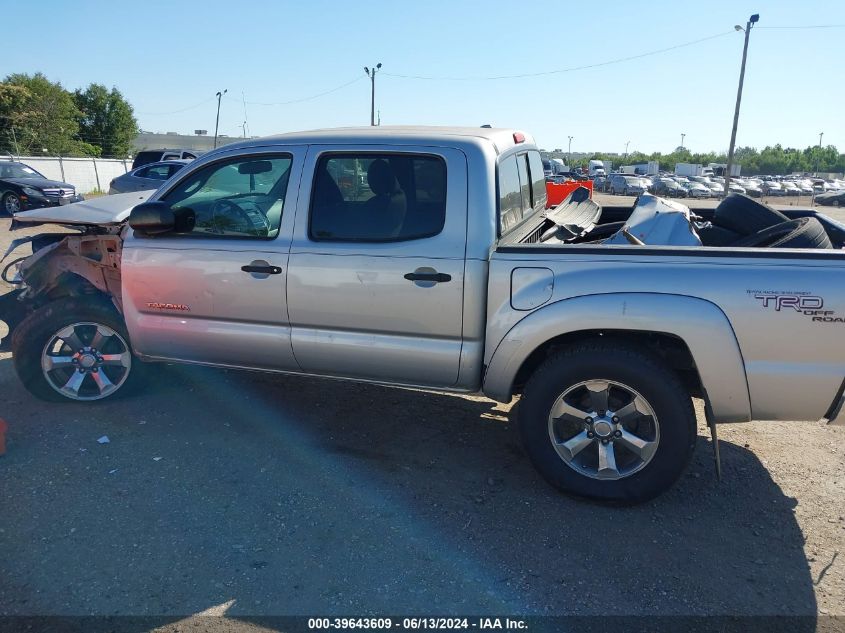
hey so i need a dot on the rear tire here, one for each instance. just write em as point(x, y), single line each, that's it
point(567, 382)
point(74, 350)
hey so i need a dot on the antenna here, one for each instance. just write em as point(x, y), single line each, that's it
point(245, 125)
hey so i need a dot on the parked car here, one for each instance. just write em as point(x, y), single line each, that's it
point(599, 183)
point(772, 188)
point(475, 286)
point(696, 190)
point(23, 188)
point(831, 198)
point(752, 189)
point(147, 156)
point(146, 177)
point(668, 187)
point(625, 185)
point(790, 188)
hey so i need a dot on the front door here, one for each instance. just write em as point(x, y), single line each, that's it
point(213, 291)
point(376, 277)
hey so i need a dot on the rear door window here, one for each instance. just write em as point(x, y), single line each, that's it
point(371, 197)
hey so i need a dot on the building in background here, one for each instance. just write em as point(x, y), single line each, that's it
point(200, 140)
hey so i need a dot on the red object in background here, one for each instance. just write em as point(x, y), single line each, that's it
point(3, 428)
point(558, 192)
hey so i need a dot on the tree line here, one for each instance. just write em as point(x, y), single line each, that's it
point(38, 116)
point(772, 159)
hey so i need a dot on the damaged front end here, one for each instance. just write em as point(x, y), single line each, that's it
point(83, 262)
point(61, 265)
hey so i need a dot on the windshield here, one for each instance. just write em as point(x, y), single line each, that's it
point(18, 170)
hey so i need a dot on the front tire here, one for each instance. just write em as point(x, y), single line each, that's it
point(74, 350)
point(608, 421)
point(11, 203)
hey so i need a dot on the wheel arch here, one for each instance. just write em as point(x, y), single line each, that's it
point(693, 335)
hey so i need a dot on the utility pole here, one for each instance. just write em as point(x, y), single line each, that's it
point(751, 21)
point(217, 122)
point(819, 155)
point(372, 75)
point(569, 153)
point(626, 148)
point(682, 140)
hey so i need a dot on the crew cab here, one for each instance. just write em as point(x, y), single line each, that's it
point(426, 257)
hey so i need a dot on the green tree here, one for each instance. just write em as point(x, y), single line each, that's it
point(107, 120)
point(41, 116)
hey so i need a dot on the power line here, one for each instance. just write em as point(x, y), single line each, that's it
point(809, 26)
point(315, 96)
point(566, 70)
point(196, 105)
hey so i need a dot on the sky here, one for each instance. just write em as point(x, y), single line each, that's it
point(170, 58)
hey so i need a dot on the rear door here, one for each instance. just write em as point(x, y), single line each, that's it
point(376, 273)
point(214, 292)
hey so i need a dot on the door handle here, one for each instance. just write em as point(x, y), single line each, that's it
point(435, 277)
point(262, 269)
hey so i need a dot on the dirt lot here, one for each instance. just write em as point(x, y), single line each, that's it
point(248, 494)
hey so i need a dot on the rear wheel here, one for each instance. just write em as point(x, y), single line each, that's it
point(607, 421)
point(73, 350)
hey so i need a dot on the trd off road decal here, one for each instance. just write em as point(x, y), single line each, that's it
point(804, 303)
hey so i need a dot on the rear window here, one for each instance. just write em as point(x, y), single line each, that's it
point(522, 189)
point(538, 180)
point(142, 158)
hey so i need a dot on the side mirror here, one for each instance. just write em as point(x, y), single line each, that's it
point(152, 218)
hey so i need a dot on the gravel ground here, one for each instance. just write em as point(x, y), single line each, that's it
point(250, 494)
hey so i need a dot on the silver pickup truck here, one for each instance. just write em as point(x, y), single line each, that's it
point(426, 257)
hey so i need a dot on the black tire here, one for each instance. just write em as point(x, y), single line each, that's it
point(610, 360)
point(38, 329)
point(746, 216)
point(800, 233)
point(713, 235)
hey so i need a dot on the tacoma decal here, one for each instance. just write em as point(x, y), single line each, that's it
point(168, 306)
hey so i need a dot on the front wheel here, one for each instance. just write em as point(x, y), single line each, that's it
point(608, 421)
point(11, 203)
point(74, 350)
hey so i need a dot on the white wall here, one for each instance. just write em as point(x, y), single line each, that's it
point(86, 174)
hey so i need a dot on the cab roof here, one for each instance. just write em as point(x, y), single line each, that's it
point(501, 138)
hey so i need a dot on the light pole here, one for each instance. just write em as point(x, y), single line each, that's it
point(819, 154)
point(372, 75)
point(682, 140)
point(752, 20)
point(217, 122)
point(626, 148)
point(569, 153)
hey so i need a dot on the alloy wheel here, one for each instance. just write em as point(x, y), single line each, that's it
point(603, 429)
point(86, 361)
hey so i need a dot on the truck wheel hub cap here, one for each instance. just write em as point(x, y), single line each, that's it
point(88, 360)
point(603, 428)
